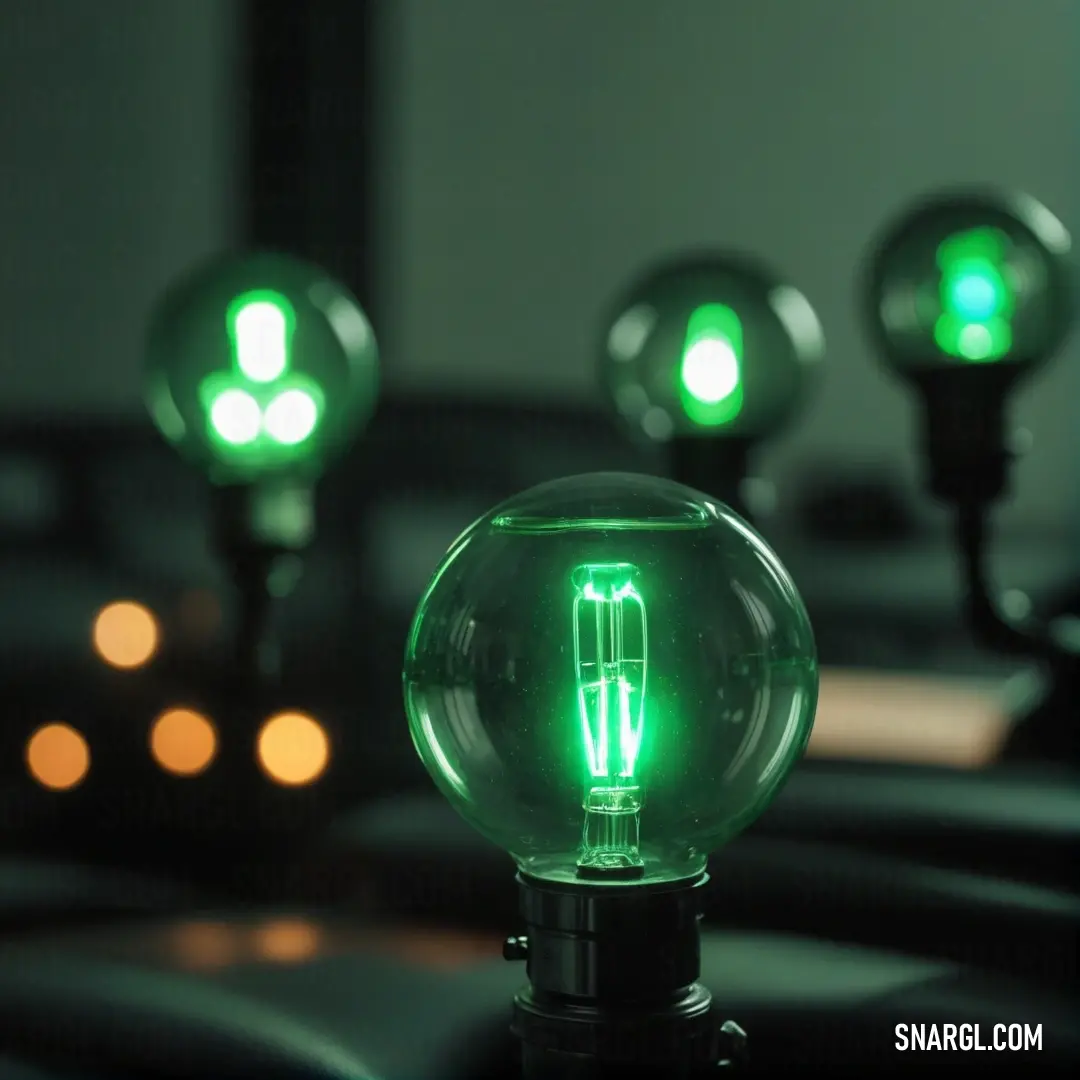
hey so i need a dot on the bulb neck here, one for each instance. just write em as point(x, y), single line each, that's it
point(964, 435)
point(714, 465)
point(613, 985)
point(260, 530)
point(274, 516)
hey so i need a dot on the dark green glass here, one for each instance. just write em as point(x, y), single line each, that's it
point(714, 346)
point(610, 676)
point(967, 279)
point(258, 366)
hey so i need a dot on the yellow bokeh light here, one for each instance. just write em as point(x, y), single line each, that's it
point(183, 742)
point(58, 757)
point(126, 634)
point(293, 749)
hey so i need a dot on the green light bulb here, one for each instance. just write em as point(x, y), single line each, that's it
point(610, 676)
point(971, 280)
point(710, 346)
point(260, 366)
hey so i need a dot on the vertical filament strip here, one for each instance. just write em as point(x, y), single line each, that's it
point(610, 650)
point(610, 663)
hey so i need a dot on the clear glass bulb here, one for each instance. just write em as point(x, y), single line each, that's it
point(970, 279)
point(260, 365)
point(713, 346)
point(610, 676)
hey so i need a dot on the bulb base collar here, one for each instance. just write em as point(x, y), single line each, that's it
point(964, 436)
point(260, 531)
point(271, 517)
point(613, 983)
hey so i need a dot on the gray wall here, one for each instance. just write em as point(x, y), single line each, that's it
point(117, 151)
point(535, 154)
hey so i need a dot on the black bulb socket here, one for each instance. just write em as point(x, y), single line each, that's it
point(966, 445)
point(613, 987)
point(272, 516)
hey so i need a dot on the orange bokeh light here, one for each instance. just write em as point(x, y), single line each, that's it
point(125, 634)
point(287, 941)
point(183, 742)
point(58, 757)
point(293, 749)
point(205, 946)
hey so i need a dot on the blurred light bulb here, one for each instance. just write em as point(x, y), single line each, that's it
point(293, 749)
point(970, 279)
point(965, 294)
point(710, 346)
point(183, 742)
point(610, 676)
point(125, 634)
point(58, 757)
point(260, 366)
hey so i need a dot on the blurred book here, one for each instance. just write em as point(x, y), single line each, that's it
point(909, 719)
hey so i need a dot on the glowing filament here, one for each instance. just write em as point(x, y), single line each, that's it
point(976, 300)
point(610, 660)
point(261, 405)
point(291, 417)
point(710, 373)
point(261, 336)
point(236, 417)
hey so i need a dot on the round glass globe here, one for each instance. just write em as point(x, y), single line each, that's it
point(970, 279)
point(260, 365)
point(712, 346)
point(610, 676)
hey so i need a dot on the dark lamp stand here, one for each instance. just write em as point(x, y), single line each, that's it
point(716, 466)
point(968, 456)
point(261, 531)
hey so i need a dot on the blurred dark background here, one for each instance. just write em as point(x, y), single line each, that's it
point(484, 176)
